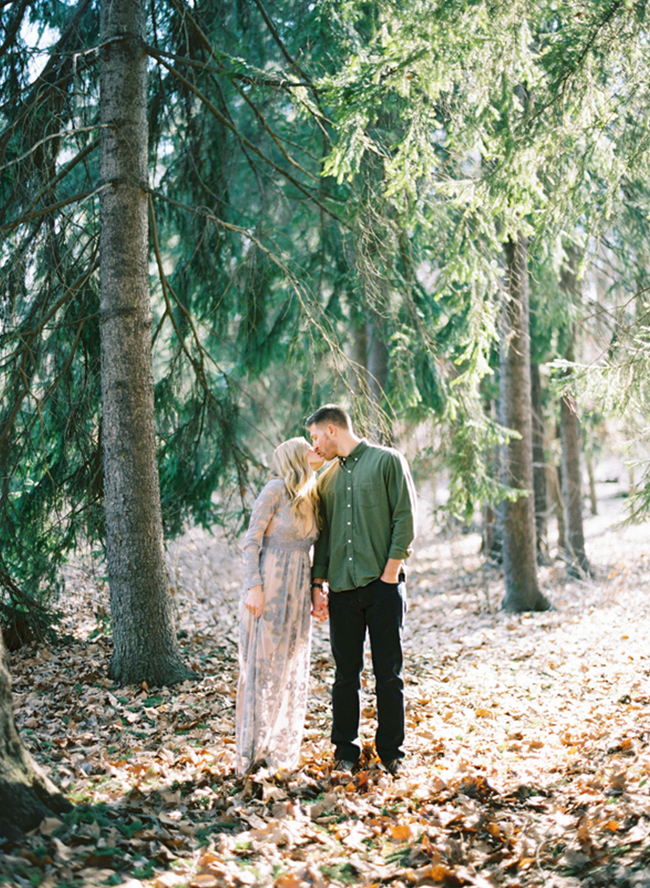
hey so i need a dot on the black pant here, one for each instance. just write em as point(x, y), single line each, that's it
point(379, 607)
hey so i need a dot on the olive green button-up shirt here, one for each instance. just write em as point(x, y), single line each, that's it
point(368, 508)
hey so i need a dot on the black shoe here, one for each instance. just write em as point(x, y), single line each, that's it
point(344, 765)
point(394, 767)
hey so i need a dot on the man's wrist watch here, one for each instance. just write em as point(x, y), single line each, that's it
point(317, 585)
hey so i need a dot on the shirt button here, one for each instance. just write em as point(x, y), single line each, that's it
point(349, 488)
point(349, 559)
point(349, 522)
point(349, 505)
point(349, 541)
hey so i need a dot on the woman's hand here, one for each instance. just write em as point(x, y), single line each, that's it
point(255, 601)
point(319, 610)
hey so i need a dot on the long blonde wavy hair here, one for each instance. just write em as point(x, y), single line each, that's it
point(289, 462)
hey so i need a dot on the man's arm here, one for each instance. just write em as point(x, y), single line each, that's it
point(403, 502)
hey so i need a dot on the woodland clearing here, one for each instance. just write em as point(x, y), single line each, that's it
point(528, 739)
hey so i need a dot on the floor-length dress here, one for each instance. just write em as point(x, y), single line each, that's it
point(274, 648)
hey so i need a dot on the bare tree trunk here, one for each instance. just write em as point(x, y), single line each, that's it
point(577, 563)
point(492, 519)
point(558, 505)
point(26, 794)
point(144, 638)
point(519, 543)
point(359, 357)
point(593, 499)
point(377, 365)
point(539, 467)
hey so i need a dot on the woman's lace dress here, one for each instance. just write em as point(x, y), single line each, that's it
point(274, 648)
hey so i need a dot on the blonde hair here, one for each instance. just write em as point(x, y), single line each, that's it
point(289, 462)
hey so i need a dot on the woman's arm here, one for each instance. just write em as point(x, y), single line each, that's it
point(264, 508)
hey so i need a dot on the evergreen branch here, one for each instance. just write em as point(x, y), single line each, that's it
point(224, 120)
point(558, 89)
point(283, 49)
point(49, 69)
point(247, 79)
point(200, 369)
point(154, 52)
point(62, 134)
point(14, 27)
point(210, 50)
point(317, 323)
point(63, 172)
point(28, 338)
point(52, 208)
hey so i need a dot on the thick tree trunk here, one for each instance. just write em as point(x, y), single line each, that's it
point(519, 543)
point(26, 794)
point(539, 467)
point(577, 563)
point(145, 646)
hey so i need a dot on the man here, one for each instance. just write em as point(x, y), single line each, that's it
point(368, 508)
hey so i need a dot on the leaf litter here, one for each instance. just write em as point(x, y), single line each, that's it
point(527, 740)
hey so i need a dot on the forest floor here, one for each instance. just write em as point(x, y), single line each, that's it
point(528, 739)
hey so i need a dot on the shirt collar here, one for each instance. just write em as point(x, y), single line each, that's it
point(354, 455)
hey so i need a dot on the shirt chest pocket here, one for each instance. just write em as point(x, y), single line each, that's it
point(369, 495)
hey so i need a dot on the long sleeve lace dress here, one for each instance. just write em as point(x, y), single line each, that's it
point(274, 648)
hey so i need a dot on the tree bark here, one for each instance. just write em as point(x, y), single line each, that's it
point(574, 538)
point(144, 638)
point(519, 539)
point(26, 794)
point(577, 563)
point(539, 467)
point(593, 499)
point(558, 506)
point(492, 518)
point(377, 366)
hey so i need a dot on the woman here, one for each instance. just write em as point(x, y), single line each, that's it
point(275, 623)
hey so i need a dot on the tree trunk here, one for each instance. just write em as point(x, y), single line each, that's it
point(377, 366)
point(559, 509)
point(359, 357)
point(492, 524)
point(26, 794)
point(519, 543)
point(577, 564)
point(145, 646)
point(593, 499)
point(539, 467)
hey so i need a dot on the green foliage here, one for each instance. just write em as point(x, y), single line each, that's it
point(333, 169)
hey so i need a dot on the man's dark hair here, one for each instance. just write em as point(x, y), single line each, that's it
point(330, 414)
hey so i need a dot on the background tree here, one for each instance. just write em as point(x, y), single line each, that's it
point(519, 540)
point(144, 639)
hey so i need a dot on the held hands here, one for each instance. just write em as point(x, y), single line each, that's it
point(319, 609)
point(255, 601)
